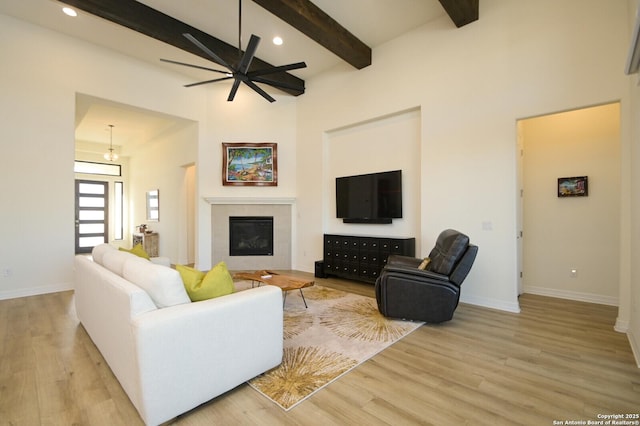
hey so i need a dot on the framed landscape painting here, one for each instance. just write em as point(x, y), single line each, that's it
point(577, 186)
point(249, 164)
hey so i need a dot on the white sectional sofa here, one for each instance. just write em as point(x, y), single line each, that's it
point(171, 359)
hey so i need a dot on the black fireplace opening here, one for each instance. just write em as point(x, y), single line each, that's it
point(251, 236)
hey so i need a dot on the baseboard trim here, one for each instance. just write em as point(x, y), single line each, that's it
point(500, 305)
point(35, 291)
point(572, 295)
point(635, 347)
point(621, 326)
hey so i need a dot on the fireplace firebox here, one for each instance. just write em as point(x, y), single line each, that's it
point(251, 236)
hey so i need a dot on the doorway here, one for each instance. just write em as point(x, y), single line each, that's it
point(91, 214)
point(571, 244)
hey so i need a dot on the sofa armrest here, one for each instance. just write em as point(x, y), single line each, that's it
point(189, 354)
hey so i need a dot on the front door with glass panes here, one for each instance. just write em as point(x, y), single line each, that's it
point(91, 214)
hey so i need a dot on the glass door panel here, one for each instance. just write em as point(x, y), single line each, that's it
point(91, 214)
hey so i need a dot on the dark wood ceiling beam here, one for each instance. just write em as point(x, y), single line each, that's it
point(462, 12)
point(322, 28)
point(143, 19)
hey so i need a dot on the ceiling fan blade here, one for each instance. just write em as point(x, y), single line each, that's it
point(234, 89)
point(274, 70)
point(207, 81)
point(249, 54)
point(193, 66)
point(279, 84)
point(259, 90)
point(208, 51)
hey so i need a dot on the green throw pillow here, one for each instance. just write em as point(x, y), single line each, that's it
point(206, 285)
point(138, 250)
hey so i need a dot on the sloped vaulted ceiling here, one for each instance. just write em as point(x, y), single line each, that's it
point(301, 14)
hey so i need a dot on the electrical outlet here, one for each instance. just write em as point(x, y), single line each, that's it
point(573, 273)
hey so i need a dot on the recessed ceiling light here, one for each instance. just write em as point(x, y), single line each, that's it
point(70, 12)
point(277, 41)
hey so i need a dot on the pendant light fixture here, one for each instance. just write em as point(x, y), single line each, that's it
point(111, 156)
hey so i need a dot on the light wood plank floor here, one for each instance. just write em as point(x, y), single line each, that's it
point(557, 360)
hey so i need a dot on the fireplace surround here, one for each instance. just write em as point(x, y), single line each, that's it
point(281, 209)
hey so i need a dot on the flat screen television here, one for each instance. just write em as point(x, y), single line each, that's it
point(369, 198)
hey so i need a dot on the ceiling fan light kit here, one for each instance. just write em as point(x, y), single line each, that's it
point(240, 72)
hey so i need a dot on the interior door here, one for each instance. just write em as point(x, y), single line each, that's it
point(92, 199)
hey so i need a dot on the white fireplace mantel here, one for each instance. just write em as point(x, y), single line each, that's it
point(249, 200)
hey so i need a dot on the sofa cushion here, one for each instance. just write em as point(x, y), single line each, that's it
point(138, 250)
point(162, 260)
point(206, 285)
point(98, 252)
point(163, 284)
point(114, 260)
point(447, 251)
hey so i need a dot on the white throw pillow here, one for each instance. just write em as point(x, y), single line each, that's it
point(99, 251)
point(163, 284)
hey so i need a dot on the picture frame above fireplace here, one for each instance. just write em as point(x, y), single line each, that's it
point(249, 164)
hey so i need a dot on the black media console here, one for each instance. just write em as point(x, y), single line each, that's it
point(362, 258)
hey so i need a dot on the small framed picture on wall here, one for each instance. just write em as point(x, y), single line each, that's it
point(577, 186)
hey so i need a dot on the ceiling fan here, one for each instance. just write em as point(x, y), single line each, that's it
point(240, 72)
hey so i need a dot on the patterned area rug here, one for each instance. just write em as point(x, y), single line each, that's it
point(336, 333)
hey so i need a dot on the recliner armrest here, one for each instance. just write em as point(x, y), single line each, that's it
point(418, 274)
point(397, 260)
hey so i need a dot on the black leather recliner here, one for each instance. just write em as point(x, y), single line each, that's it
point(430, 295)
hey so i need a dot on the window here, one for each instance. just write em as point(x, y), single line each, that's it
point(118, 219)
point(97, 168)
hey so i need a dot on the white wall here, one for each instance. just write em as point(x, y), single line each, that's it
point(631, 324)
point(581, 233)
point(39, 88)
point(471, 85)
point(364, 148)
point(161, 164)
point(39, 85)
point(249, 118)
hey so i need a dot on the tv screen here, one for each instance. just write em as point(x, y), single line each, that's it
point(369, 198)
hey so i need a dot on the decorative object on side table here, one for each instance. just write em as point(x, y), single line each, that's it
point(249, 164)
point(577, 186)
point(149, 241)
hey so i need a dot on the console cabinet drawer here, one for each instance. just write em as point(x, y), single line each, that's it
point(362, 258)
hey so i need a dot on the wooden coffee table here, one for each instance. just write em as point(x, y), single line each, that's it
point(285, 282)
